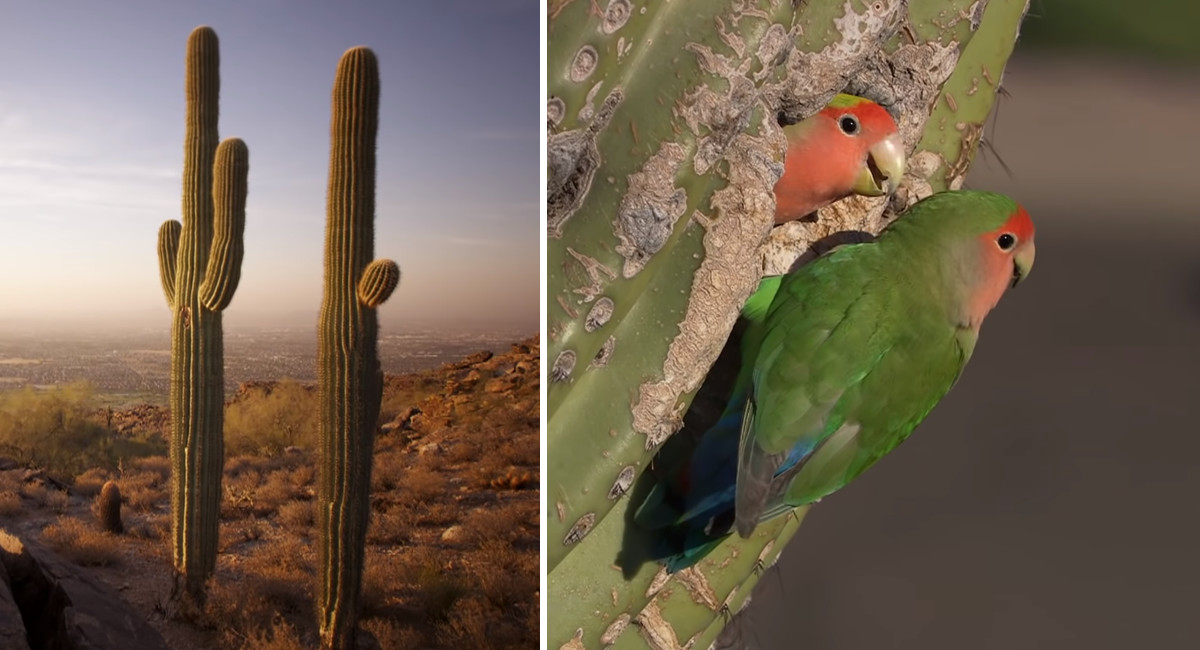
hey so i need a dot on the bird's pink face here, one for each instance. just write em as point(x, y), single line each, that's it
point(1007, 253)
point(872, 147)
point(850, 147)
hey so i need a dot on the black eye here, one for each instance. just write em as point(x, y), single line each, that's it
point(848, 124)
point(1006, 242)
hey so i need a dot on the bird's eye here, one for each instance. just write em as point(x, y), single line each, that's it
point(848, 124)
point(1006, 242)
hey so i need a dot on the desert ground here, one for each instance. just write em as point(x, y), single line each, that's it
point(452, 548)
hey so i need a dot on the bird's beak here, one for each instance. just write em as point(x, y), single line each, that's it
point(885, 166)
point(1023, 263)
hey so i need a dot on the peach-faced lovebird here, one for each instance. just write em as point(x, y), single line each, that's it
point(850, 147)
point(841, 359)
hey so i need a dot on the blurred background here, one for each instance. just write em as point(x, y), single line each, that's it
point(1052, 499)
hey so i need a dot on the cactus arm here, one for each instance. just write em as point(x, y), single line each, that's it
point(378, 282)
point(350, 381)
point(231, 169)
point(168, 248)
point(967, 97)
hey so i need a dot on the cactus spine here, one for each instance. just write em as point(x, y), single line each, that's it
point(109, 508)
point(199, 265)
point(349, 375)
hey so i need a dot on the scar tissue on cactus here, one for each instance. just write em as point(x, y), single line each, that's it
point(350, 382)
point(199, 265)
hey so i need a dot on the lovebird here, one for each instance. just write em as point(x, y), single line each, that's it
point(841, 359)
point(852, 146)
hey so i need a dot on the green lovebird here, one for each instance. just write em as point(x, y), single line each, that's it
point(841, 360)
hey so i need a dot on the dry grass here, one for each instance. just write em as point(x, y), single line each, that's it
point(143, 489)
point(88, 484)
point(82, 544)
point(10, 504)
point(471, 464)
point(421, 484)
point(296, 515)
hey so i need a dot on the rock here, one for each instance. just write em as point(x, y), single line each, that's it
point(68, 609)
point(403, 420)
point(431, 448)
point(453, 534)
point(474, 359)
point(12, 628)
point(7, 464)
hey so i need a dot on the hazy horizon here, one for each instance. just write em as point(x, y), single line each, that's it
point(91, 135)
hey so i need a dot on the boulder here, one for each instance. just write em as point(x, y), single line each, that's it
point(12, 628)
point(67, 609)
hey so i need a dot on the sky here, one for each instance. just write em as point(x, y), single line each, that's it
point(91, 153)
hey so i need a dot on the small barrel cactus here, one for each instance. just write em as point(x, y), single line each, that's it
point(108, 508)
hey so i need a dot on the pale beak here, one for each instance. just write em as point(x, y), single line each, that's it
point(1023, 262)
point(885, 166)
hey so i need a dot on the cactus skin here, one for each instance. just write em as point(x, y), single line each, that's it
point(109, 508)
point(592, 435)
point(199, 265)
point(350, 381)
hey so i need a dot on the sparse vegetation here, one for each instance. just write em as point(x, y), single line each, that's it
point(268, 420)
point(452, 545)
point(81, 543)
point(60, 430)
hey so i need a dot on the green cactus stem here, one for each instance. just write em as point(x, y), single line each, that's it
point(108, 508)
point(349, 376)
point(199, 265)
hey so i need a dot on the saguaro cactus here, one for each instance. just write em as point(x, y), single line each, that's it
point(349, 377)
point(200, 263)
point(663, 149)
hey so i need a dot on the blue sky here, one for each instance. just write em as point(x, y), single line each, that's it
point(91, 151)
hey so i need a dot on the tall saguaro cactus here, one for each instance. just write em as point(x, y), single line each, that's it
point(200, 263)
point(349, 376)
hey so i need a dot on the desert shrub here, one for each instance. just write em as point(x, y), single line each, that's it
point(55, 429)
point(265, 422)
point(298, 515)
point(506, 523)
point(142, 490)
point(81, 543)
point(10, 504)
point(390, 527)
point(421, 484)
point(391, 634)
point(88, 484)
point(280, 636)
point(159, 464)
point(506, 577)
point(387, 470)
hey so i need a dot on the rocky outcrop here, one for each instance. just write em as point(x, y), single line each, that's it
point(65, 609)
point(12, 628)
point(477, 382)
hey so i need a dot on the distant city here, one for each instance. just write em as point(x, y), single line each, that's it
point(138, 362)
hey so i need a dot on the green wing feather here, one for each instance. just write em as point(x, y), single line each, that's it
point(850, 356)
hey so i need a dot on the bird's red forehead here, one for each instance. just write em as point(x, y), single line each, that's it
point(870, 113)
point(1019, 224)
